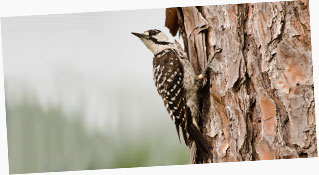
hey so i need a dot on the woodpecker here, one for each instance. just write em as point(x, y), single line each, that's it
point(177, 84)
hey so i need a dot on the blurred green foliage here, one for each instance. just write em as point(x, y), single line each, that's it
point(46, 139)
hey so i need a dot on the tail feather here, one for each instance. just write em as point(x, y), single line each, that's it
point(202, 147)
point(197, 142)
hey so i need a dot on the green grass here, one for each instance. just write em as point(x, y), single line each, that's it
point(45, 139)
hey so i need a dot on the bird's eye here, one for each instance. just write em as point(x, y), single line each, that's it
point(152, 32)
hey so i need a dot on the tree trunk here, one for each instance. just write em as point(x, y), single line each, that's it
point(258, 102)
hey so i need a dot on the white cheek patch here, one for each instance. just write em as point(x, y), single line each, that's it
point(161, 37)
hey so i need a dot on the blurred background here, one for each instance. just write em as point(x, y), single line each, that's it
point(80, 94)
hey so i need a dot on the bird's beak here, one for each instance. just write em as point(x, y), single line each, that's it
point(140, 35)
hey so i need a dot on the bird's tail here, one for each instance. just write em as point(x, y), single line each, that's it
point(200, 148)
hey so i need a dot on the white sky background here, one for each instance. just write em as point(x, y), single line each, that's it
point(85, 61)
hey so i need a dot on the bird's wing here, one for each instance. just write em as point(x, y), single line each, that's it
point(168, 77)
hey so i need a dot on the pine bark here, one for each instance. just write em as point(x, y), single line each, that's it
point(258, 100)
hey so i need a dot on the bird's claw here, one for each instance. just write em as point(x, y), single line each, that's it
point(201, 76)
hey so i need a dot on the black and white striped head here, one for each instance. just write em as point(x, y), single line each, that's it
point(155, 40)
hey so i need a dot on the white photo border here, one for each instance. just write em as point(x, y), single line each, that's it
point(9, 8)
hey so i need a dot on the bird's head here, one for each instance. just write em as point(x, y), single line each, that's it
point(155, 40)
